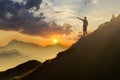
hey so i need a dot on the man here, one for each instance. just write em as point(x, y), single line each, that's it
point(85, 24)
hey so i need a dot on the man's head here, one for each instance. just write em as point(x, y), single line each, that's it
point(85, 18)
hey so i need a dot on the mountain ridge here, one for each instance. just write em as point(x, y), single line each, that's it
point(37, 52)
point(29, 43)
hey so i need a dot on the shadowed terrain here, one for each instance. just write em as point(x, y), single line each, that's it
point(20, 70)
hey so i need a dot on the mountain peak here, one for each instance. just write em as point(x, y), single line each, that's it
point(14, 41)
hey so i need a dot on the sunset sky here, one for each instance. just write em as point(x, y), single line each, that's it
point(23, 20)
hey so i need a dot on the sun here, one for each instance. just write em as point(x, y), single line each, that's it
point(55, 40)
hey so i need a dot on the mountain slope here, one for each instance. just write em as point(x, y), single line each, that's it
point(95, 57)
point(20, 70)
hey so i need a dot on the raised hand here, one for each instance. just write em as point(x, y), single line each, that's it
point(77, 17)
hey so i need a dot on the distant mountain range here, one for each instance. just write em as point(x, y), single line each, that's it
point(95, 57)
point(17, 52)
point(34, 51)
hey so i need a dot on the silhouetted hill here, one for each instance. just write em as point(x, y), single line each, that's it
point(20, 70)
point(95, 57)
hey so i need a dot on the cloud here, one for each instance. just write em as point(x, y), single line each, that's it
point(20, 16)
point(94, 1)
point(43, 29)
point(13, 14)
point(30, 4)
point(87, 3)
point(90, 1)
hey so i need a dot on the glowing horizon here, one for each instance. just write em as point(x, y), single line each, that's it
point(55, 39)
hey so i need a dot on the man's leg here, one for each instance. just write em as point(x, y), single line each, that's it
point(83, 33)
point(86, 32)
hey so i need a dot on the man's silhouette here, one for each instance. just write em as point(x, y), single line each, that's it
point(85, 24)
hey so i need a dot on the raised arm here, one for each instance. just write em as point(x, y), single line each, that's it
point(79, 18)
